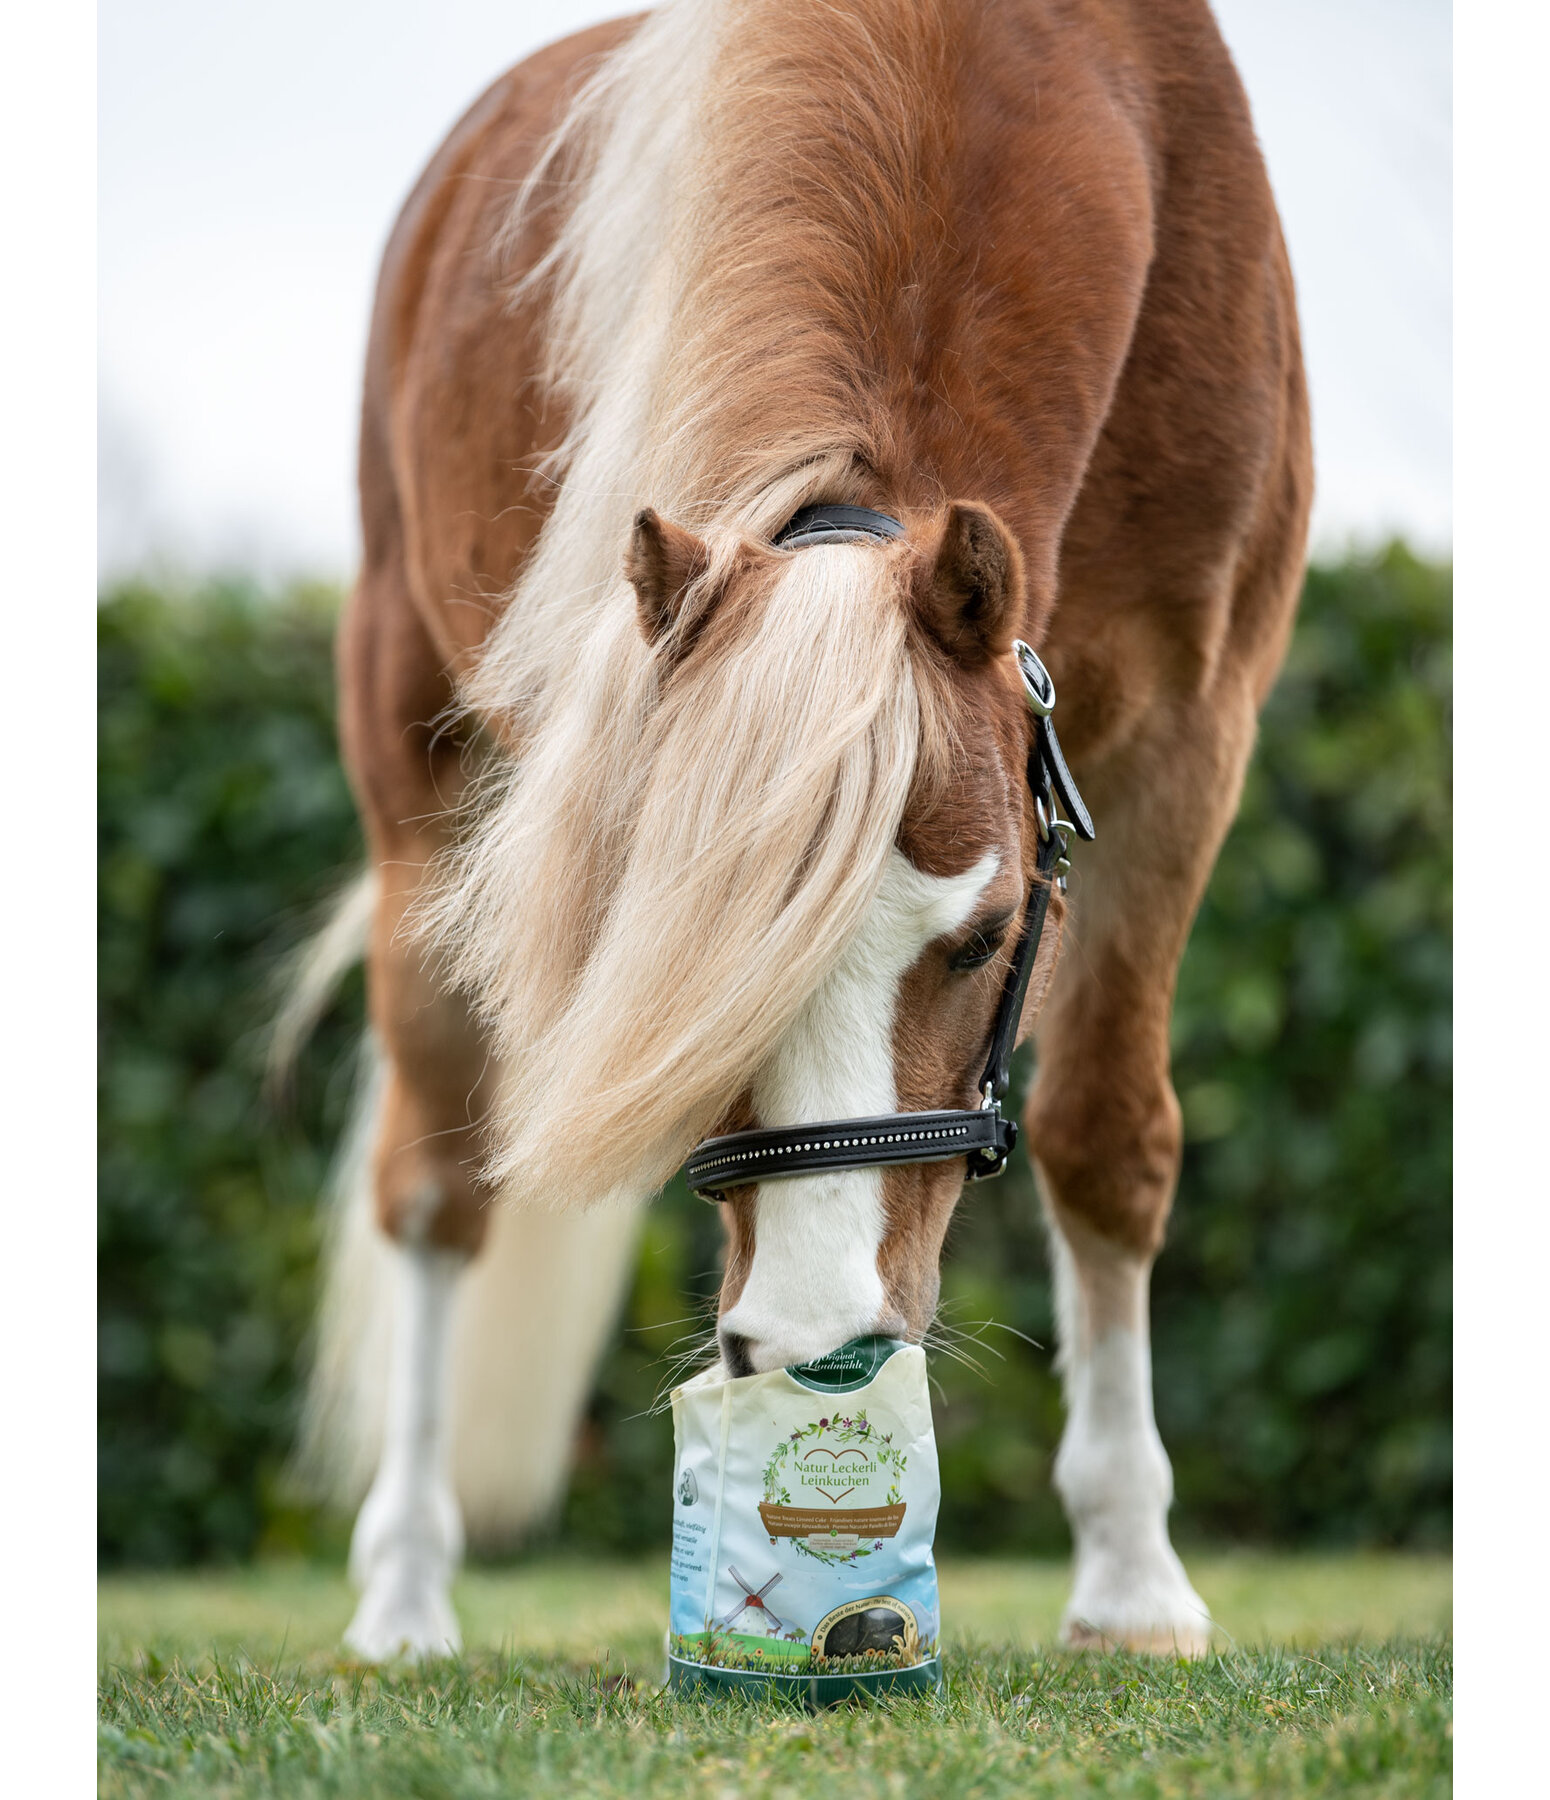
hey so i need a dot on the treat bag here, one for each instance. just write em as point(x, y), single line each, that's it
point(805, 1503)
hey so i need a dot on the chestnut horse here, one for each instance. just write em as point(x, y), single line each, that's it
point(674, 831)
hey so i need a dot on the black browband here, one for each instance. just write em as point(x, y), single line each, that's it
point(742, 1158)
point(836, 525)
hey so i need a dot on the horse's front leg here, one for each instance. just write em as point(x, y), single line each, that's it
point(429, 1201)
point(1104, 1128)
point(408, 1537)
point(1113, 1475)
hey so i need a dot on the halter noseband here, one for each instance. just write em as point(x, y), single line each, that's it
point(741, 1158)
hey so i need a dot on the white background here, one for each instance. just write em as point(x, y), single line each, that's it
point(252, 160)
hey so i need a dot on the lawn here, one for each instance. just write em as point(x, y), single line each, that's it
point(1334, 1677)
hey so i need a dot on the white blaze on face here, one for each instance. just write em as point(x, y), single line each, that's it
point(814, 1281)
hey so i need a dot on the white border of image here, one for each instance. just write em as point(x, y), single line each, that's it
point(47, 1280)
point(47, 443)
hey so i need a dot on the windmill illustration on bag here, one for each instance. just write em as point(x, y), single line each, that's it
point(764, 1620)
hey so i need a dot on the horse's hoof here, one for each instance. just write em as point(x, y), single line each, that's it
point(1190, 1639)
point(401, 1624)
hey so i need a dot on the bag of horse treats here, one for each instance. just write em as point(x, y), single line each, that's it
point(805, 1502)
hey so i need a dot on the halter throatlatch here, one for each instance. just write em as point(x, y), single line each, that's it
point(983, 1137)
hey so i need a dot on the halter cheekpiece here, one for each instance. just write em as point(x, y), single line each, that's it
point(982, 1136)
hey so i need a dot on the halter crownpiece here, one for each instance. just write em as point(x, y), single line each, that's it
point(983, 1137)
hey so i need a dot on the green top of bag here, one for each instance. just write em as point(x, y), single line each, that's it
point(852, 1365)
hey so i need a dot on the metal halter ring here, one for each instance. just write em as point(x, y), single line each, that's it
point(1038, 685)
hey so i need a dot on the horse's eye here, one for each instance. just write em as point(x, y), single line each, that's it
point(976, 950)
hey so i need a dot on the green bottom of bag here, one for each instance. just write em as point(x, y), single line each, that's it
point(684, 1676)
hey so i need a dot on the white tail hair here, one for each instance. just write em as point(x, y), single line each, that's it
point(534, 1313)
point(314, 974)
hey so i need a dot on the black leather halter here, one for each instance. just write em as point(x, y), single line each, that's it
point(741, 1158)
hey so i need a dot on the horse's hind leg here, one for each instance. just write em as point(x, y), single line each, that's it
point(1104, 1128)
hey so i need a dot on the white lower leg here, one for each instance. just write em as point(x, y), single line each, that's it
point(409, 1538)
point(1112, 1471)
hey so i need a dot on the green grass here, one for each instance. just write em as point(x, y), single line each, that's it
point(1334, 1678)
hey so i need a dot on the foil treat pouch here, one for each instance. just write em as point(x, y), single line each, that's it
point(804, 1507)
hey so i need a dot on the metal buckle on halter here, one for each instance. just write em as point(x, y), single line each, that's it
point(1052, 821)
point(990, 1101)
point(1067, 830)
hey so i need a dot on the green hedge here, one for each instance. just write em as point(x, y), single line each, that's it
point(1302, 1324)
point(224, 819)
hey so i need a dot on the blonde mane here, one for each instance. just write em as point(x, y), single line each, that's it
point(659, 875)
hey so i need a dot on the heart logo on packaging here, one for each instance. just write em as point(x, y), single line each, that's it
point(836, 1458)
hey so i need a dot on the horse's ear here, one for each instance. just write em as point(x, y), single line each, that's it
point(970, 597)
point(661, 562)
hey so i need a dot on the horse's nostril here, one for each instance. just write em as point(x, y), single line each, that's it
point(734, 1353)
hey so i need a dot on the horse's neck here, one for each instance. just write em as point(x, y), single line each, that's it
point(804, 275)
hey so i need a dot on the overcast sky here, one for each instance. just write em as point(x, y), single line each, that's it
point(253, 158)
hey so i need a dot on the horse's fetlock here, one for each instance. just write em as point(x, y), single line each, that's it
point(1096, 1476)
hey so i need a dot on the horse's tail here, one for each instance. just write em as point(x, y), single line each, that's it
point(534, 1311)
point(314, 977)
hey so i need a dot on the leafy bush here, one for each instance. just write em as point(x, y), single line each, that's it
point(1301, 1309)
point(224, 819)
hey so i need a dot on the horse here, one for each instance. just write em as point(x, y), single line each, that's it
point(676, 830)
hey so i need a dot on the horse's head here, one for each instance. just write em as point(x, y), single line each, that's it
point(901, 1015)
